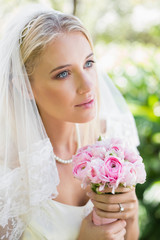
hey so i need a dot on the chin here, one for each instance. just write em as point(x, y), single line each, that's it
point(85, 119)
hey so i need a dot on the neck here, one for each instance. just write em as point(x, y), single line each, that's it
point(62, 136)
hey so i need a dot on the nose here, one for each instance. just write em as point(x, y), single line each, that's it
point(85, 83)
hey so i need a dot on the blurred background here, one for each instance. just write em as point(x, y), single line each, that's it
point(126, 36)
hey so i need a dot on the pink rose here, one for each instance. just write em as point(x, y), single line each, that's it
point(85, 149)
point(129, 174)
point(132, 156)
point(140, 172)
point(112, 170)
point(94, 170)
point(79, 171)
point(116, 142)
point(81, 157)
point(116, 150)
point(98, 151)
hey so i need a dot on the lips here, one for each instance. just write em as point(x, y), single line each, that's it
point(88, 101)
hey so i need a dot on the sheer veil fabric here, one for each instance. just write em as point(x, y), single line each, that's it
point(114, 110)
point(28, 173)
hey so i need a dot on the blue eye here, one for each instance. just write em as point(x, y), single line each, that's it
point(62, 74)
point(89, 64)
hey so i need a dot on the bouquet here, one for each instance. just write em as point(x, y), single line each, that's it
point(108, 163)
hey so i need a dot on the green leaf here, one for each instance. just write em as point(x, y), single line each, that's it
point(100, 138)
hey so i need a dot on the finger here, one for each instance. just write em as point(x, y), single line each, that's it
point(115, 215)
point(88, 188)
point(113, 198)
point(124, 189)
point(113, 207)
point(120, 235)
point(89, 218)
point(118, 190)
point(116, 226)
point(89, 191)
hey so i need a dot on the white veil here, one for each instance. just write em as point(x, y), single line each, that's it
point(114, 110)
point(28, 173)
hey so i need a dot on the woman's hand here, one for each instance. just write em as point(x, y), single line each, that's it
point(107, 205)
point(111, 231)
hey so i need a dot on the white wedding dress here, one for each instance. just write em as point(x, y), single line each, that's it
point(56, 221)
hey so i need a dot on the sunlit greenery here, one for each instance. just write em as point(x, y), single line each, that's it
point(126, 36)
point(139, 81)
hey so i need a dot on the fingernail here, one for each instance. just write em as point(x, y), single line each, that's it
point(88, 194)
point(124, 222)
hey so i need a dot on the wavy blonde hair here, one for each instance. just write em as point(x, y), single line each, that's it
point(43, 29)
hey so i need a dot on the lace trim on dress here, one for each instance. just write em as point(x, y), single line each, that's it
point(40, 170)
point(28, 185)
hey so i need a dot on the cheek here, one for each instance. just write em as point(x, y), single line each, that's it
point(94, 78)
point(49, 98)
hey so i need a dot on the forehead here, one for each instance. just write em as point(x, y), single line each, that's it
point(67, 45)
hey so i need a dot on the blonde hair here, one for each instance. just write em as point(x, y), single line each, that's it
point(39, 32)
point(43, 29)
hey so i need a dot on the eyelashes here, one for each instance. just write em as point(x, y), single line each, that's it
point(89, 63)
point(63, 74)
point(66, 73)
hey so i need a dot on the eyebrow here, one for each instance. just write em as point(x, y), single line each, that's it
point(67, 65)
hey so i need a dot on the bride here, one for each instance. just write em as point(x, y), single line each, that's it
point(52, 101)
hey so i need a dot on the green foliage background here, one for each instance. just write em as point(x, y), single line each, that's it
point(126, 36)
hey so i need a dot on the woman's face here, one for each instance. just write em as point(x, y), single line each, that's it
point(64, 81)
